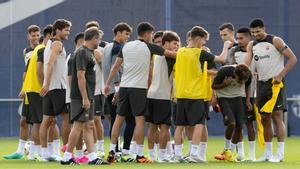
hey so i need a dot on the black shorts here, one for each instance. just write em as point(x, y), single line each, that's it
point(99, 105)
point(35, 107)
point(25, 112)
point(206, 109)
point(109, 108)
point(132, 100)
point(54, 103)
point(159, 111)
point(190, 112)
point(264, 94)
point(249, 115)
point(233, 110)
point(78, 114)
point(68, 107)
point(174, 111)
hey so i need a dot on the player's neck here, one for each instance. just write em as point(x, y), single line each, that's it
point(193, 44)
point(118, 40)
point(88, 45)
point(143, 38)
point(33, 46)
point(264, 36)
point(58, 38)
point(232, 40)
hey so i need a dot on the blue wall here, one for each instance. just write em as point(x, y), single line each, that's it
point(281, 17)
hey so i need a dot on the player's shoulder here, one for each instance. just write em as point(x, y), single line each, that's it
point(27, 50)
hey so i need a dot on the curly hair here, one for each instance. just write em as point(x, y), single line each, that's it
point(242, 72)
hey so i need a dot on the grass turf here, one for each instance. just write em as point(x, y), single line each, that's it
point(215, 145)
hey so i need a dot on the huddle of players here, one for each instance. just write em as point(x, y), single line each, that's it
point(143, 79)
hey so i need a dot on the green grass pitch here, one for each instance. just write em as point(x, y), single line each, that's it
point(215, 145)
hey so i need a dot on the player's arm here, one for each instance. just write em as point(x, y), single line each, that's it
point(212, 72)
point(113, 72)
point(288, 53)
point(82, 84)
point(248, 93)
point(22, 93)
point(69, 77)
point(82, 88)
point(98, 56)
point(56, 49)
point(40, 72)
point(221, 80)
point(26, 68)
point(81, 65)
point(209, 58)
point(157, 50)
point(151, 71)
point(40, 66)
point(24, 54)
point(249, 55)
point(222, 57)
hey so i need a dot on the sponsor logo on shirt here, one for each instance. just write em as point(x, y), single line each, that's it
point(256, 57)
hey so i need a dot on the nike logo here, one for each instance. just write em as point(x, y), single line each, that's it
point(14, 11)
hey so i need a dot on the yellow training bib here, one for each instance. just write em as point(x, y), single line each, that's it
point(189, 78)
point(31, 82)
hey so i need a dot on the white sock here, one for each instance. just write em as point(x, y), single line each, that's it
point(79, 153)
point(56, 147)
point(31, 148)
point(189, 146)
point(169, 148)
point(194, 150)
point(44, 152)
point(132, 148)
point(269, 152)
point(241, 151)
point(151, 154)
point(112, 147)
point(140, 150)
point(39, 149)
point(156, 147)
point(252, 149)
point(50, 148)
point(92, 156)
point(67, 156)
point(21, 146)
point(280, 150)
point(178, 150)
point(100, 145)
point(202, 150)
point(227, 144)
point(233, 147)
point(162, 154)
